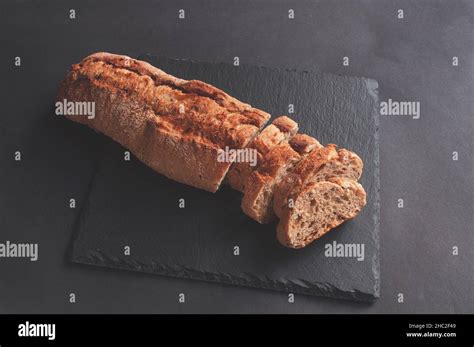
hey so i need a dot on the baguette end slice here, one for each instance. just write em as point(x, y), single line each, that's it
point(318, 208)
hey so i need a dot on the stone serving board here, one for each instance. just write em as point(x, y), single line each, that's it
point(131, 207)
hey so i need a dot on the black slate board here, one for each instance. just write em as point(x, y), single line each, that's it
point(131, 205)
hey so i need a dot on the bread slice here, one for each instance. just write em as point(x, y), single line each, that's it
point(175, 126)
point(258, 195)
point(318, 208)
point(320, 165)
point(281, 129)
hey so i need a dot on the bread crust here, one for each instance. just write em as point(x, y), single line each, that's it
point(177, 127)
point(304, 144)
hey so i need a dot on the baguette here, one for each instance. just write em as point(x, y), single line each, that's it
point(180, 128)
point(176, 127)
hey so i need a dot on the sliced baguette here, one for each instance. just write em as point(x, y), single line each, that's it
point(281, 129)
point(320, 165)
point(318, 208)
point(177, 127)
point(258, 195)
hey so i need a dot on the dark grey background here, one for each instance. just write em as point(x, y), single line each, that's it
point(410, 58)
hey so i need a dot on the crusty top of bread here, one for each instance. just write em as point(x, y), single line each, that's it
point(287, 152)
point(314, 160)
point(162, 78)
point(304, 144)
point(191, 108)
point(281, 129)
point(286, 125)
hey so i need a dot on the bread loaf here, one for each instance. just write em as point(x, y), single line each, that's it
point(181, 128)
point(176, 127)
